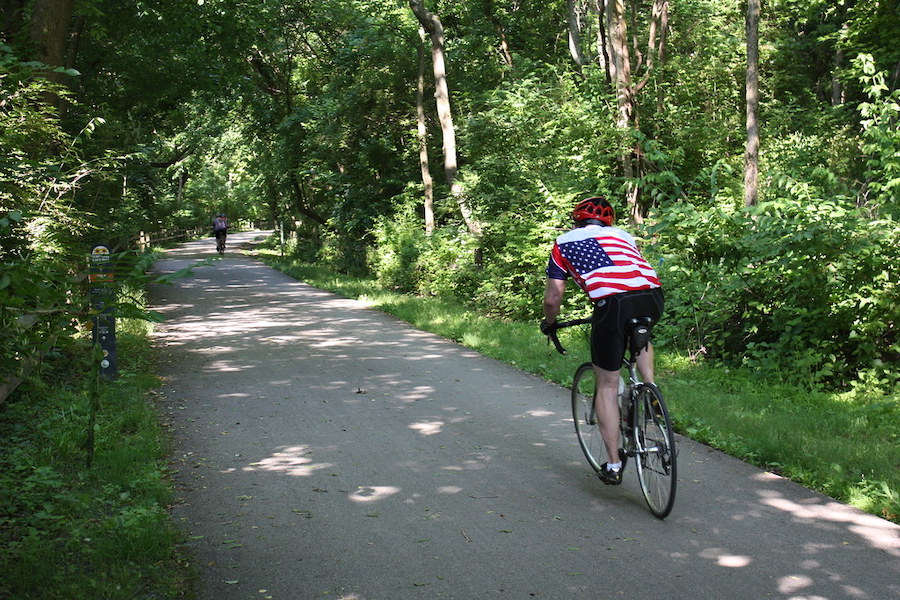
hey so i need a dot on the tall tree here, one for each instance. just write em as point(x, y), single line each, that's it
point(751, 161)
point(432, 24)
point(621, 71)
point(501, 32)
point(599, 8)
point(626, 113)
point(423, 138)
point(573, 19)
point(50, 21)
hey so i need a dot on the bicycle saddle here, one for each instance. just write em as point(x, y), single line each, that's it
point(639, 333)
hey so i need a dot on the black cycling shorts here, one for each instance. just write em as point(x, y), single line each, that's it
point(610, 316)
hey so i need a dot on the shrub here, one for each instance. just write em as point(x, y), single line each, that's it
point(807, 289)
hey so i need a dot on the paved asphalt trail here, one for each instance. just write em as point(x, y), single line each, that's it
point(327, 450)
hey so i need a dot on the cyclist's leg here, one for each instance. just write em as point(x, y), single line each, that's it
point(607, 352)
point(644, 362)
point(649, 304)
point(606, 405)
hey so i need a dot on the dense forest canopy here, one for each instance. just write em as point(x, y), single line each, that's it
point(121, 117)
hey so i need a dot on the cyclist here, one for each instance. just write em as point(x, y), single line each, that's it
point(605, 262)
point(220, 229)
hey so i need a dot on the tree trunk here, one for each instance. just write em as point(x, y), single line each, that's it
point(659, 21)
point(620, 62)
point(625, 116)
point(501, 33)
point(622, 74)
point(504, 44)
point(50, 21)
point(661, 50)
point(300, 200)
point(574, 25)
point(602, 42)
point(74, 41)
point(837, 89)
point(432, 24)
point(423, 139)
point(751, 162)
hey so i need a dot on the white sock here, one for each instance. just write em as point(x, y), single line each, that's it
point(614, 466)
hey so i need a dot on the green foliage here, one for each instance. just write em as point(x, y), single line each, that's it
point(407, 260)
point(71, 532)
point(305, 113)
point(399, 245)
point(36, 222)
point(882, 138)
point(535, 142)
point(804, 290)
point(512, 280)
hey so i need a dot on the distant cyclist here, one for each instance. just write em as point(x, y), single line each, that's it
point(220, 230)
point(605, 262)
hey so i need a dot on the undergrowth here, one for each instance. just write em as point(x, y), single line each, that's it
point(72, 531)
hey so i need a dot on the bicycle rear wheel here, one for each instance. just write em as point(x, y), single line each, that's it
point(586, 424)
point(655, 453)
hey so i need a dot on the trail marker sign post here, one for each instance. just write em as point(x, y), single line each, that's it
point(100, 276)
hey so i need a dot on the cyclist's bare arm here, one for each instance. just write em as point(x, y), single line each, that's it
point(553, 295)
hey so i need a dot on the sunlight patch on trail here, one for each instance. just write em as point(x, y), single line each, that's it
point(792, 584)
point(428, 427)
point(724, 559)
point(878, 533)
point(373, 493)
point(290, 461)
point(540, 413)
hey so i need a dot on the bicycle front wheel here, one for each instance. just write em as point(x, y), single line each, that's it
point(587, 426)
point(655, 452)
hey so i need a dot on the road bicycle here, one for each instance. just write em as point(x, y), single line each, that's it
point(220, 243)
point(646, 428)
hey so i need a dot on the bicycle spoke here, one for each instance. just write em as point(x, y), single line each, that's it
point(656, 453)
point(586, 425)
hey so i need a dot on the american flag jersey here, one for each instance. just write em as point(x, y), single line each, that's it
point(602, 260)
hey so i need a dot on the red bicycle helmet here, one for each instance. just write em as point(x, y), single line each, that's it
point(596, 208)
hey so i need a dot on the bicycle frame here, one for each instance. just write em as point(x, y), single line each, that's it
point(644, 423)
